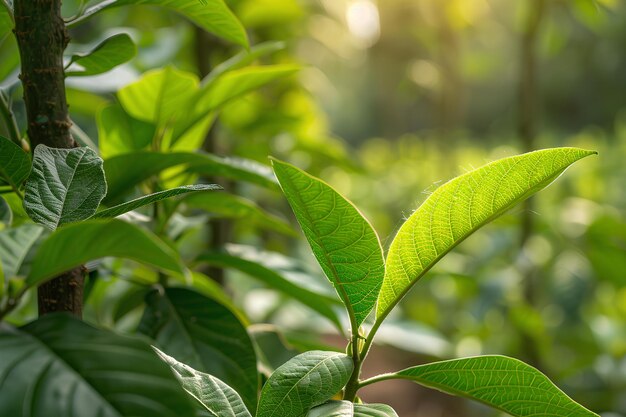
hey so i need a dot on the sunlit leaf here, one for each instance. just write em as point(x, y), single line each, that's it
point(500, 382)
point(344, 243)
point(65, 185)
point(119, 132)
point(110, 53)
point(14, 164)
point(204, 335)
point(218, 398)
point(349, 409)
point(60, 366)
point(152, 198)
point(94, 239)
point(307, 380)
point(460, 207)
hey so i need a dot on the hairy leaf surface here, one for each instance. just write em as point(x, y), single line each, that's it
point(205, 335)
point(216, 397)
point(500, 382)
point(460, 207)
point(307, 380)
point(65, 185)
point(349, 409)
point(94, 239)
point(344, 243)
point(60, 366)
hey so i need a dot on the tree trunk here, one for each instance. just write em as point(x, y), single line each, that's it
point(42, 38)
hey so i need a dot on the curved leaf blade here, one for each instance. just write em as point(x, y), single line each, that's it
point(500, 382)
point(461, 206)
point(14, 246)
point(14, 164)
point(348, 409)
point(212, 15)
point(218, 398)
point(152, 198)
point(343, 241)
point(307, 380)
point(65, 185)
point(119, 132)
point(204, 335)
point(60, 366)
point(94, 239)
point(107, 55)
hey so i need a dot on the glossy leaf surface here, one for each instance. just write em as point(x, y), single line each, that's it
point(152, 198)
point(107, 55)
point(205, 335)
point(342, 240)
point(461, 206)
point(94, 239)
point(500, 382)
point(119, 132)
point(307, 380)
point(60, 366)
point(65, 185)
point(348, 409)
point(216, 397)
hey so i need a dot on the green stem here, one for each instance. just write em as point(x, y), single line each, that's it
point(378, 378)
point(9, 119)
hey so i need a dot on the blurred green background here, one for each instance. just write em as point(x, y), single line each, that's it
point(395, 97)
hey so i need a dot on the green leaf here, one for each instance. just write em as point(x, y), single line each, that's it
point(500, 382)
point(218, 398)
point(123, 172)
point(65, 185)
point(159, 96)
point(344, 243)
point(60, 366)
point(460, 207)
point(14, 246)
point(211, 15)
point(235, 207)
point(315, 301)
point(14, 164)
point(6, 215)
point(152, 198)
point(119, 132)
point(204, 335)
point(110, 53)
point(348, 409)
point(308, 380)
point(78, 243)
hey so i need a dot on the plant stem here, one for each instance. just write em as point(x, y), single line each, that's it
point(9, 119)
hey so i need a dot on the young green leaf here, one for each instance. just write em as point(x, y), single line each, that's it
point(123, 172)
point(498, 381)
point(460, 207)
point(78, 243)
point(349, 409)
point(6, 215)
point(216, 397)
point(60, 366)
point(14, 164)
point(65, 185)
point(110, 53)
point(14, 246)
point(344, 243)
point(211, 15)
point(152, 198)
point(204, 335)
point(308, 380)
point(315, 301)
point(119, 132)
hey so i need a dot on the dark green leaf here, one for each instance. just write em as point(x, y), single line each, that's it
point(348, 409)
point(60, 366)
point(65, 185)
point(110, 53)
point(14, 164)
point(500, 382)
point(78, 243)
point(344, 243)
point(6, 215)
point(205, 335)
point(15, 244)
point(218, 398)
point(308, 380)
point(149, 199)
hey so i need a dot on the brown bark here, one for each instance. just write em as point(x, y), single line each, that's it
point(42, 38)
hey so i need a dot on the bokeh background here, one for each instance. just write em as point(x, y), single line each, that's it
point(395, 97)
